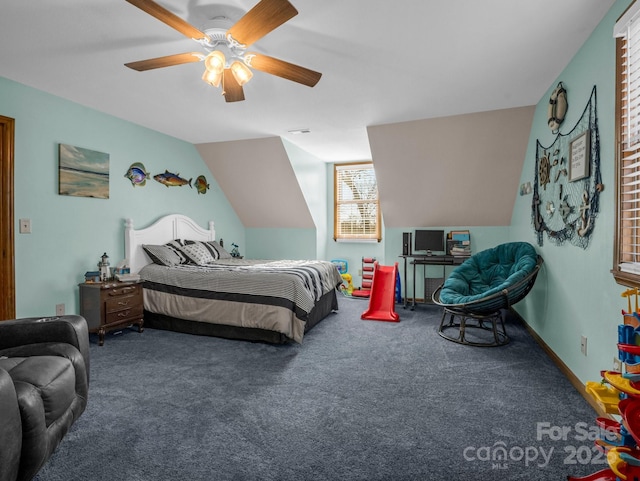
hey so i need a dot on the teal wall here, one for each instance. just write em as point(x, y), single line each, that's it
point(575, 294)
point(69, 234)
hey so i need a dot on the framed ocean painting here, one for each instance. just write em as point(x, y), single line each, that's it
point(83, 172)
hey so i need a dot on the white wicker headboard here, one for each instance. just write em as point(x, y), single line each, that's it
point(165, 229)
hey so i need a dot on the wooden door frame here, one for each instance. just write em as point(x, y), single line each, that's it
point(7, 250)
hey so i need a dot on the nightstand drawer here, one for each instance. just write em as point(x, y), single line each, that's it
point(122, 302)
point(124, 315)
point(131, 290)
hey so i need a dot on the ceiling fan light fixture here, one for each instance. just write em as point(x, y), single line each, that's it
point(226, 60)
point(212, 78)
point(241, 72)
point(215, 62)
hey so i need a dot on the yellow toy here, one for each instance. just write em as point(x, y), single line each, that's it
point(348, 289)
point(607, 397)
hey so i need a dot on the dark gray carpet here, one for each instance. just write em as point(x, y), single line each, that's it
point(358, 400)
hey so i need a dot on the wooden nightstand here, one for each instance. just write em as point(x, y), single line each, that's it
point(111, 305)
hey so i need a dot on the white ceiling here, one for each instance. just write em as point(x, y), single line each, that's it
point(382, 62)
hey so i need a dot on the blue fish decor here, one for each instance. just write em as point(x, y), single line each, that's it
point(172, 180)
point(137, 174)
point(201, 184)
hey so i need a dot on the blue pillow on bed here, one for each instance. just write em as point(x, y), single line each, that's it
point(165, 255)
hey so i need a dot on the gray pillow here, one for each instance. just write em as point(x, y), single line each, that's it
point(164, 255)
point(222, 253)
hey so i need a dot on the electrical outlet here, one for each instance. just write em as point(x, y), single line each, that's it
point(360, 272)
point(617, 365)
point(583, 345)
point(59, 309)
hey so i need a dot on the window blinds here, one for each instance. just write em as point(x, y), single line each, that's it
point(357, 214)
point(627, 30)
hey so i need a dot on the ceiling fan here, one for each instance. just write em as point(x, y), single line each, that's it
point(226, 60)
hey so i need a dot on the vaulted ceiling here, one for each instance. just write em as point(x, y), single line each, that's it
point(382, 62)
point(388, 70)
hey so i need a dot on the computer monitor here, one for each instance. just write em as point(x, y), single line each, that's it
point(429, 241)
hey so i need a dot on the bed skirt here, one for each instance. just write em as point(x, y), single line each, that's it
point(325, 305)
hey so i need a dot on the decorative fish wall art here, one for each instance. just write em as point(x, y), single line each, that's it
point(201, 184)
point(137, 174)
point(172, 180)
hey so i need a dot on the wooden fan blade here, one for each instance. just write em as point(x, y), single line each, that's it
point(166, 61)
point(231, 89)
point(283, 69)
point(169, 18)
point(264, 17)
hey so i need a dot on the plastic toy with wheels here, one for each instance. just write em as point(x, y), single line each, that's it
point(620, 443)
point(347, 280)
point(619, 393)
point(341, 264)
point(347, 289)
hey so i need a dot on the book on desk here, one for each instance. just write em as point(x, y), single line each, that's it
point(459, 243)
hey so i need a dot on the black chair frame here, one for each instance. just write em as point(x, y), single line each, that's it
point(485, 313)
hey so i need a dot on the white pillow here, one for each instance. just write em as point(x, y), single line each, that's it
point(199, 253)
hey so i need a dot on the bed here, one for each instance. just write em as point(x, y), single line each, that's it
point(191, 284)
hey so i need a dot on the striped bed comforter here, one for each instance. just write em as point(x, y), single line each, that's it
point(272, 295)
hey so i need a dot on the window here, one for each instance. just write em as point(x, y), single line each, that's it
point(626, 268)
point(356, 207)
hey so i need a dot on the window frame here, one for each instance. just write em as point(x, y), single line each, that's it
point(361, 237)
point(623, 247)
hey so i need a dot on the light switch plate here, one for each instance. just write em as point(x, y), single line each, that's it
point(25, 226)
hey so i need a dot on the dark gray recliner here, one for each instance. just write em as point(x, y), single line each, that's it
point(44, 385)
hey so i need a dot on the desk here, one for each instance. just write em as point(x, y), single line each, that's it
point(426, 260)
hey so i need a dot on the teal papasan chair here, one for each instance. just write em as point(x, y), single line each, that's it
point(477, 292)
